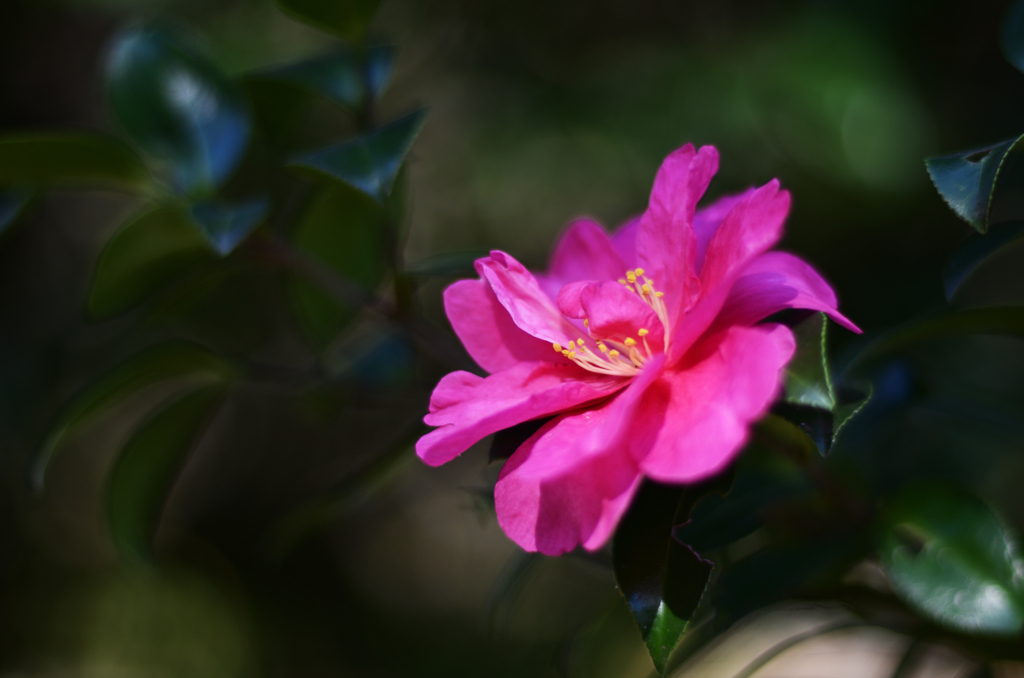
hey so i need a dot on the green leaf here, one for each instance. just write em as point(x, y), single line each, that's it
point(348, 19)
point(226, 226)
point(1011, 35)
point(12, 203)
point(808, 381)
point(975, 251)
point(661, 579)
point(145, 470)
point(967, 181)
point(345, 76)
point(369, 163)
point(70, 159)
point(762, 479)
point(149, 252)
point(160, 364)
point(177, 106)
point(947, 554)
point(811, 402)
point(345, 230)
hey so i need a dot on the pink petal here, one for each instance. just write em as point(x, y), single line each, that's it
point(585, 252)
point(775, 281)
point(613, 311)
point(665, 243)
point(467, 408)
point(624, 242)
point(487, 331)
point(571, 482)
point(530, 308)
point(707, 220)
point(570, 299)
point(694, 420)
point(752, 226)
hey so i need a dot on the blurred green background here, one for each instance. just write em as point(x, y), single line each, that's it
point(539, 112)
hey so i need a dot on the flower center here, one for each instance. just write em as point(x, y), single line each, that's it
point(621, 359)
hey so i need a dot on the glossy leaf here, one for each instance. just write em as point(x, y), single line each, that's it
point(1011, 35)
point(349, 19)
point(157, 365)
point(661, 579)
point(761, 480)
point(345, 76)
point(12, 202)
point(808, 381)
point(145, 470)
point(70, 159)
point(967, 181)
point(177, 106)
point(345, 230)
point(810, 400)
point(369, 163)
point(975, 251)
point(145, 255)
point(947, 554)
point(226, 226)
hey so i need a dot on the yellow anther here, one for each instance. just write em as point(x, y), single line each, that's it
point(639, 272)
point(613, 353)
point(572, 345)
point(631, 277)
point(630, 341)
point(601, 347)
point(623, 281)
point(572, 355)
point(565, 353)
point(557, 347)
point(646, 289)
point(643, 333)
point(586, 322)
point(659, 294)
point(630, 289)
point(580, 342)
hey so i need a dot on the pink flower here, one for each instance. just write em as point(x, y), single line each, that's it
point(643, 346)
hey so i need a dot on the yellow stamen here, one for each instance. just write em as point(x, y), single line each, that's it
point(610, 361)
point(557, 347)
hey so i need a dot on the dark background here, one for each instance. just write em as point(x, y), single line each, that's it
point(539, 112)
